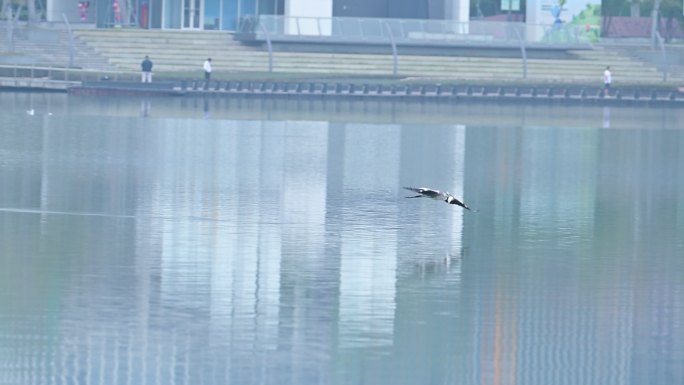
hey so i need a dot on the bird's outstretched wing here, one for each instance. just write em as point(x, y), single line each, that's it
point(416, 190)
point(427, 192)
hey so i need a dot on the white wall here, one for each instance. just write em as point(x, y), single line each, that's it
point(307, 11)
point(457, 10)
point(55, 9)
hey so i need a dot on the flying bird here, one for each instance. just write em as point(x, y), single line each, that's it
point(437, 195)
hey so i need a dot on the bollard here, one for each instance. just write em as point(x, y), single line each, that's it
point(517, 91)
point(438, 91)
point(365, 88)
point(534, 92)
point(636, 95)
point(184, 84)
point(583, 94)
point(654, 95)
point(566, 93)
point(469, 91)
point(673, 96)
point(618, 95)
point(502, 92)
point(550, 93)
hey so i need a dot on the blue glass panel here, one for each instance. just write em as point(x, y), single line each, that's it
point(267, 7)
point(212, 14)
point(172, 14)
point(230, 8)
point(247, 7)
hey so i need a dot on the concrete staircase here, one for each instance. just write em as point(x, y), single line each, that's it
point(185, 51)
point(48, 46)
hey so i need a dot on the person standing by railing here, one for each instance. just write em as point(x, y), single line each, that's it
point(207, 73)
point(146, 66)
point(607, 79)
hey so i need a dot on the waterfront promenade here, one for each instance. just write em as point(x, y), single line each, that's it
point(114, 56)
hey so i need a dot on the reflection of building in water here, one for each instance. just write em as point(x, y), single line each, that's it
point(145, 105)
point(606, 117)
point(240, 257)
point(425, 334)
point(369, 237)
point(568, 327)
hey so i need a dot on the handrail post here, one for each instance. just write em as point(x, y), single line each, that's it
point(394, 48)
point(10, 30)
point(268, 45)
point(663, 52)
point(71, 40)
point(521, 37)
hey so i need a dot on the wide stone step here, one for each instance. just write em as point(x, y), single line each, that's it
point(184, 51)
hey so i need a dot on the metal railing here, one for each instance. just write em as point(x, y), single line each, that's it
point(38, 73)
point(663, 53)
point(72, 47)
point(410, 31)
point(403, 32)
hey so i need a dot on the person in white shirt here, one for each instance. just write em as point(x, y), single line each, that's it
point(607, 79)
point(207, 73)
point(207, 69)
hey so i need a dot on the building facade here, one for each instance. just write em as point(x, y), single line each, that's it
point(226, 15)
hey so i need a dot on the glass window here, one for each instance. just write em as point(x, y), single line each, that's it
point(172, 13)
point(266, 7)
point(230, 8)
point(155, 14)
point(212, 14)
point(247, 7)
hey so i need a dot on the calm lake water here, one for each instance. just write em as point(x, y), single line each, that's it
point(190, 241)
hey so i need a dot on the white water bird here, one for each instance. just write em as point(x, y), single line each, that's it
point(424, 192)
point(30, 112)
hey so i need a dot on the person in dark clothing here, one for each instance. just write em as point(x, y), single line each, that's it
point(146, 66)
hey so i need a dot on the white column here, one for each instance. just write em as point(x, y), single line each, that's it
point(305, 17)
point(459, 12)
